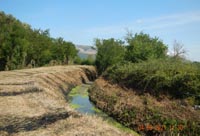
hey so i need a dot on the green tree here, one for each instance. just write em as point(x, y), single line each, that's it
point(22, 46)
point(64, 51)
point(12, 42)
point(109, 52)
point(70, 52)
point(142, 47)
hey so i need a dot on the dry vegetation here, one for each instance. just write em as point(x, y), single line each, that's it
point(33, 102)
point(134, 110)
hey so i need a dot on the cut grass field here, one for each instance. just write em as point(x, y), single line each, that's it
point(33, 102)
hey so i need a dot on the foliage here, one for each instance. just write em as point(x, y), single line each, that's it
point(63, 50)
point(178, 78)
point(145, 67)
point(142, 47)
point(90, 60)
point(149, 118)
point(21, 46)
point(110, 52)
point(144, 64)
point(197, 64)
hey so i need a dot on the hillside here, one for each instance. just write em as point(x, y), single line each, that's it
point(84, 51)
point(33, 102)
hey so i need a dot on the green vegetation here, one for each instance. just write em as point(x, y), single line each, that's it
point(97, 110)
point(145, 113)
point(74, 91)
point(141, 64)
point(121, 127)
point(144, 64)
point(142, 47)
point(109, 53)
point(75, 106)
point(21, 46)
point(177, 78)
point(90, 60)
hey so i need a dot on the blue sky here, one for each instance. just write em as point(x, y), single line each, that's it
point(80, 21)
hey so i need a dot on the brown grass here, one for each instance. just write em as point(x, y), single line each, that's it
point(142, 105)
point(72, 126)
point(170, 107)
point(33, 102)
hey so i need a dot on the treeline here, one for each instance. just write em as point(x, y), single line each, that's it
point(21, 46)
point(141, 62)
point(135, 49)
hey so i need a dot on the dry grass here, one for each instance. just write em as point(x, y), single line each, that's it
point(76, 126)
point(169, 107)
point(33, 92)
point(144, 107)
point(33, 102)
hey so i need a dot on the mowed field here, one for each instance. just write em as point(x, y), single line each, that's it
point(33, 102)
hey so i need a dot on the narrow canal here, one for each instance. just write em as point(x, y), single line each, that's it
point(79, 100)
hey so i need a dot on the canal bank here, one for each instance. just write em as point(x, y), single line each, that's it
point(78, 99)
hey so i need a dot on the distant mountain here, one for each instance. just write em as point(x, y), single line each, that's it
point(85, 51)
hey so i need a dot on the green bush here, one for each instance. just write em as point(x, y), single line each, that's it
point(88, 61)
point(177, 78)
point(109, 52)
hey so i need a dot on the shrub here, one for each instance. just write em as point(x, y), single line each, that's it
point(177, 78)
point(109, 52)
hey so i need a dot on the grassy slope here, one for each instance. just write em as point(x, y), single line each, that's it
point(135, 110)
point(33, 102)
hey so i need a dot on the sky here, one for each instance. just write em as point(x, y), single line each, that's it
point(81, 21)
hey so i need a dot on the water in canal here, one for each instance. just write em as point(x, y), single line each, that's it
point(79, 100)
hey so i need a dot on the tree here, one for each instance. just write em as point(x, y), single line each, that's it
point(109, 52)
point(178, 50)
point(70, 51)
point(142, 47)
point(64, 51)
point(22, 46)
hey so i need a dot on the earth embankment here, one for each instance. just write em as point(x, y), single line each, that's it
point(33, 102)
point(146, 114)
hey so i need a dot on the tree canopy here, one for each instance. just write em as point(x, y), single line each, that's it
point(22, 46)
point(110, 52)
point(142, 47)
